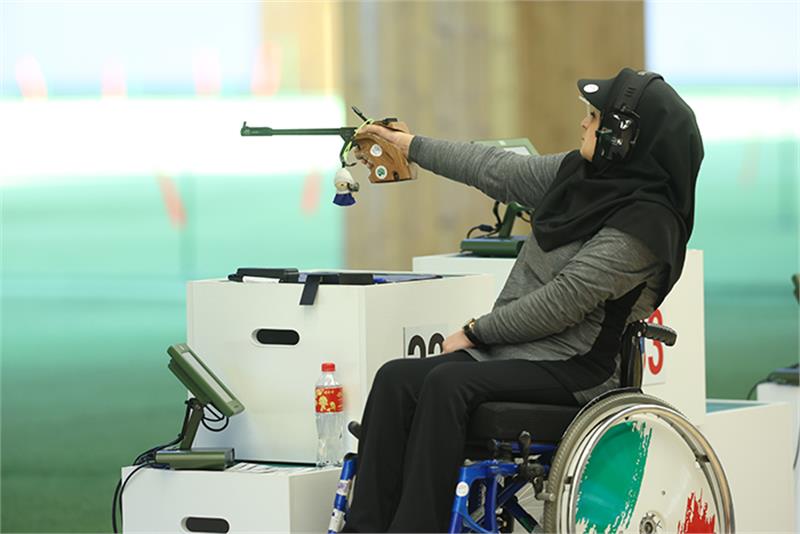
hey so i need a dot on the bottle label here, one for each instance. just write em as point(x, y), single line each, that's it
point(328, 399)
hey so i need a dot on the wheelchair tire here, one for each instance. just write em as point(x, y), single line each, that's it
point(625, 492)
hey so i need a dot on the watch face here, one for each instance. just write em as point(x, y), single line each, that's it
point(470, 333)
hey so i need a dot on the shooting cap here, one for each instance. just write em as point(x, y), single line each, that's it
point(596, 91)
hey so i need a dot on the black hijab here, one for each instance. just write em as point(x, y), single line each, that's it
point(650, 195)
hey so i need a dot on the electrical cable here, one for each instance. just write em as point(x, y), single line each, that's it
point(483, 228)
point(114, 507)
point(217, 418)
point(117, 502)
point(147, 458)
point(496, 212)
point(144, 456)
point(752, 390)
point(216, 429)
point(490, 231)
point(216, 413)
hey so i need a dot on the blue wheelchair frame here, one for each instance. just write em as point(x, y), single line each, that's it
point(499, 479)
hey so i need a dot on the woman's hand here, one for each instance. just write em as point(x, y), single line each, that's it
point(401, 140)
point(456, 341)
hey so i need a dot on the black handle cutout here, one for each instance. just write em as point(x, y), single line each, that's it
point(274, 336)
point(206, 525)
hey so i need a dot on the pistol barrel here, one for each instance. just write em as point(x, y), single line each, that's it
point(345, 133)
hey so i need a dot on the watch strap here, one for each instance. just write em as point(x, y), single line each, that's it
point(469, 331)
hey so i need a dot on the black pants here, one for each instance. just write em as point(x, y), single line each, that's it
point(414, 431)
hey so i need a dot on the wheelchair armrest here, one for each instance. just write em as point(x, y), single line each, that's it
point(661, 333)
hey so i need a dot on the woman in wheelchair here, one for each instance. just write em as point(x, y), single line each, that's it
point(610, 228)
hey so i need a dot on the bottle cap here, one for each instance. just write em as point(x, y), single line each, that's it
point(328, 367)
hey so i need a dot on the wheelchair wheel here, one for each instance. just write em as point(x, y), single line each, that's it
point(632, 463)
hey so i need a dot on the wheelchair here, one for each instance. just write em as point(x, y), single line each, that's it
point(625, 462)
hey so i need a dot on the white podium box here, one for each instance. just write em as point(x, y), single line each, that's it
point(676, 374)
point(283, 500)
point(790, 395)
point(357, 327)
point(755, 445)
point(466, 263)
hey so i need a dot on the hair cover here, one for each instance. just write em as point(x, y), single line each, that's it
point(650, 195)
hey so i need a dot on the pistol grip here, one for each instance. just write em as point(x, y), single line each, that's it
point(388, 163)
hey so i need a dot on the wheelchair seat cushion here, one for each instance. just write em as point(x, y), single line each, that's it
point(505, 421)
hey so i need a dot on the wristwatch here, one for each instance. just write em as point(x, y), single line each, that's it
point(469, 331)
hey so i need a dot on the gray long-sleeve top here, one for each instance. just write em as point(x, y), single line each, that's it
point(552, 307)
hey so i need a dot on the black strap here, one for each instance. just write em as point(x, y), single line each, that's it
point(310, 289)
point(628, 98)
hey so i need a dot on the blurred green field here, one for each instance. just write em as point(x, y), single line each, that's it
point(85, 388)
point(93, 276)
point(93, 291)
point(748, 198)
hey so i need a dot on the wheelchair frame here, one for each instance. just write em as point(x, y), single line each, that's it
point(485, 486)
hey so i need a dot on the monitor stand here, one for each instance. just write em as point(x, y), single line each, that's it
point(184, 457)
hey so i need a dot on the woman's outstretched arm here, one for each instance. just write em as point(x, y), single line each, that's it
point(500, 174)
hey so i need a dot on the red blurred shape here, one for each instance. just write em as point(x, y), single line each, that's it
point(267, 68)
point(697, 520)
point(113, 82)
point(172, 201)
point(207, 72)
point(30, 78)
point(312, 187)
point(656, 365)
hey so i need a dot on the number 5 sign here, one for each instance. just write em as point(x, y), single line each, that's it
point(654, 355)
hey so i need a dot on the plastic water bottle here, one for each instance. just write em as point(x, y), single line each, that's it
point(330, 417)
